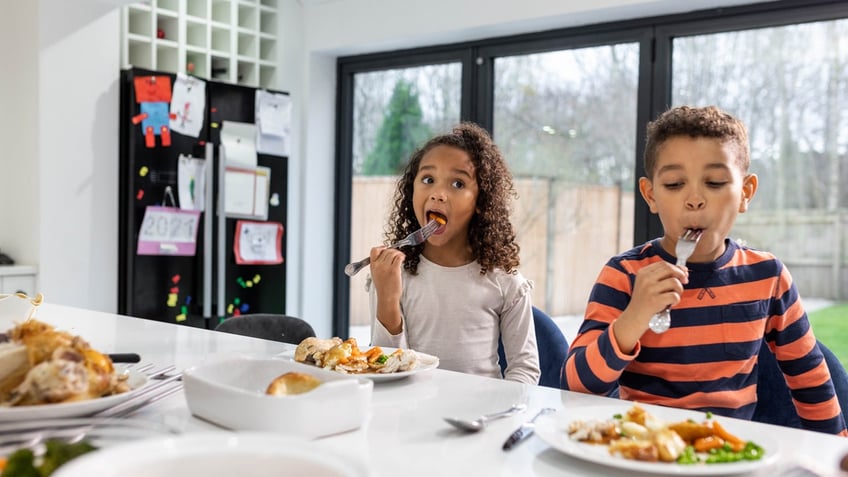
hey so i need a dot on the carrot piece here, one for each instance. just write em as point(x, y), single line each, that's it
point(736, 443)
point(703, 444)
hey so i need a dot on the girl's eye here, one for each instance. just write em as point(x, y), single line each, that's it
point(427, 180)
point(458, 184)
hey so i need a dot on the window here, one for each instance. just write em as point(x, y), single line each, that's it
point(569, 109)
point(566, 122)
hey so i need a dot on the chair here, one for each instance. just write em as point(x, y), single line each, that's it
point(774, 402)
point(287, 329)
point(552, 346)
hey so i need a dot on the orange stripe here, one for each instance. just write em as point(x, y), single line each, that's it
point(818, 411)
point(572, 378)
point(599, 366)
point(728, 399)
point(812, 378)
point(687, 372)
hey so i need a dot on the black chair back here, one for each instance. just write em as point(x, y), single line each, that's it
point(287, 329)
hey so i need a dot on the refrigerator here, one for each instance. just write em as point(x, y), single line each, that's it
point(197, 254)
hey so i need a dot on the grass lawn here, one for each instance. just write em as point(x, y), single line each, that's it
point(831, 328)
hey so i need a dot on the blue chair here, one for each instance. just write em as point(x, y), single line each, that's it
point(774, 402)
point(552, 345)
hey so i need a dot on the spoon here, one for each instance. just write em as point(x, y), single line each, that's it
point(480, 423)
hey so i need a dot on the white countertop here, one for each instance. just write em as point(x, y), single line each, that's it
point(405, 434)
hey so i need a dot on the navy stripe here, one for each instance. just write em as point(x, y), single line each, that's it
point(701, 354)
point(589, 380)
point(677, 389)
point(827, 426)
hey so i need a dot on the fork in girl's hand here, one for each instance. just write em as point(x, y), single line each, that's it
point(661, 322)
point(415, 238)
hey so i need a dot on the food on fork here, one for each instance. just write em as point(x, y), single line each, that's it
point(346, 357)
point(438, 217)
point(58, 367)
point(292, 383)
point(638, 435)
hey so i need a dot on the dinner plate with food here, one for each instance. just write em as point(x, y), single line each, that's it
point(47, 373)
point(375, 363)
point(665, 442)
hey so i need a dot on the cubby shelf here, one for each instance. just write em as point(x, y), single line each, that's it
point(227, 40)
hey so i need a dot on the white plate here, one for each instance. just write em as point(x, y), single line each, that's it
point(552, 430)
point(136, 381)
point(427, 362)
point(214, 454)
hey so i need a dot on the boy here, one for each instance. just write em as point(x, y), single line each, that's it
point(725, 301)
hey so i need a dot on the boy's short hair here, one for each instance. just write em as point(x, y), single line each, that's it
point(709, 121)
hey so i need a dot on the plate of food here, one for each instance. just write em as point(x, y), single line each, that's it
point(216, 454)
point(376, 363)
point(670, 442)
point(46, 373)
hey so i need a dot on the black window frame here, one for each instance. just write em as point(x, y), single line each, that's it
point(655, 36)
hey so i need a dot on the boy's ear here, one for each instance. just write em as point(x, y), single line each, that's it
point(646, 187)
point(749, 188)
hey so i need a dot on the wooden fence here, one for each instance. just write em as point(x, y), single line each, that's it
point(580, 228)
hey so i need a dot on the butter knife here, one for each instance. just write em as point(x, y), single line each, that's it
point(526, 430)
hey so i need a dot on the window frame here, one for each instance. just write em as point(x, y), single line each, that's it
point(655, 36)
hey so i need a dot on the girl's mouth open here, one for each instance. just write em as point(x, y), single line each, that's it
point(440, 218)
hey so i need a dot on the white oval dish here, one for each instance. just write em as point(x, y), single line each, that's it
point(136, 380)
point(213, 454)
point(231, 392)
point(427, 362)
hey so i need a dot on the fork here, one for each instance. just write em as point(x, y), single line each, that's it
point(661, 321)
point(415, 238)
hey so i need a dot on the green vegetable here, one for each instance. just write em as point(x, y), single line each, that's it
point(59, 453)
point(382, 359)
point(688, 456)
point(616, 416)
point(709, 415)
point(22, 463)
point(725, 454)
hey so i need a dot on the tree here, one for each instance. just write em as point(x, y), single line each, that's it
point(401, 132)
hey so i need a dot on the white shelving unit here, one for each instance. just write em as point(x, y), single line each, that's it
point(227, 40)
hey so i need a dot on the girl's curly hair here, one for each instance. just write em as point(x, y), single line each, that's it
point(490, 233)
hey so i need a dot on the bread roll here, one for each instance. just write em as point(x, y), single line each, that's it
point(292, 383)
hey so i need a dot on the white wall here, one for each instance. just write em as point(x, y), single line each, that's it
point(58, 159)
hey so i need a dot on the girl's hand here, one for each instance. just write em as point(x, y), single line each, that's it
point(386, 266)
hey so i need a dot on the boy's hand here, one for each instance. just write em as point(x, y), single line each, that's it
point(657, 286)
point(386, 265)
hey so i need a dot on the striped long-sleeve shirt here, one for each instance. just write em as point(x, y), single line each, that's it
point(708, 359)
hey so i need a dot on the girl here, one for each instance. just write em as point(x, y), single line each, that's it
point(457, 293)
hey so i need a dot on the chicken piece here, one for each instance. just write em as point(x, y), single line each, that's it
point(400, 360)
point(689, 431)
point(635, 449)
point(101, 373)
point(339, 354)
point(57, 380)
point(669, 444)
point(307, 349)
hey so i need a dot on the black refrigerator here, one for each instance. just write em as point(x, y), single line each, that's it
point(203, 279)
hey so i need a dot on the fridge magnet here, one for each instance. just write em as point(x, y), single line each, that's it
point(188, 105)
point(258, 243)
point(168, 231)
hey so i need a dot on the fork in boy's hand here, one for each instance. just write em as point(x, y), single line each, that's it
point(415, 238)
point(661, 322)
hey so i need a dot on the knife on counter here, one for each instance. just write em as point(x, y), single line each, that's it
point(526, 430)
point(124, 357)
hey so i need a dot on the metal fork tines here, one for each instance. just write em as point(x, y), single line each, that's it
point(415, 238)
point(661, 321)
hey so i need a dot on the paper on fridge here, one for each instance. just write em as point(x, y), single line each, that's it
point(239, 141)
point(191, 182)
point(258, 243)
point(273, 113)
point(188, 105)
point(246, 191)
